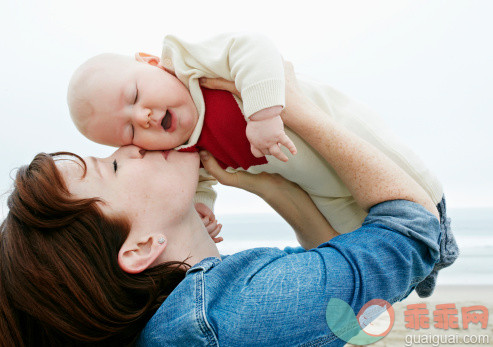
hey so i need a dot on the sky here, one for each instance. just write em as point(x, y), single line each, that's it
point(424, 66)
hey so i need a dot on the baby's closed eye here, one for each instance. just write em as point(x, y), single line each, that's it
point(136, 94)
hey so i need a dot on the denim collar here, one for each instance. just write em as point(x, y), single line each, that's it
point(205, 264)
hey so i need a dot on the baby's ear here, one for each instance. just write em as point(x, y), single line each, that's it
point(147, 58)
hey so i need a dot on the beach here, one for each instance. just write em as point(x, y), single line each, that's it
point(461, 296)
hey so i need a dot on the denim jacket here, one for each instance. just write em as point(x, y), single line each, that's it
point(271, 297)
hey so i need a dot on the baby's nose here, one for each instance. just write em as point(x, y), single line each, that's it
point(131, 152)
point(144, 119)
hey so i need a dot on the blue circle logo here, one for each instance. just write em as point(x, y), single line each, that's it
point(373, 322)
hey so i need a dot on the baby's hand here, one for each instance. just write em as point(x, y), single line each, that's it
point(265, 131)
point(210, 221)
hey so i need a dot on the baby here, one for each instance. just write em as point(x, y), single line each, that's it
point(158, 104)
point(115, 100)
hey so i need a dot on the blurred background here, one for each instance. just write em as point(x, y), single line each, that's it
point(424, 66)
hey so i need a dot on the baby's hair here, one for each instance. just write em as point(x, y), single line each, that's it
point(80, 108)
point(79, 104)
point(78, 98)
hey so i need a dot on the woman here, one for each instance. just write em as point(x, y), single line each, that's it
point(91, 249)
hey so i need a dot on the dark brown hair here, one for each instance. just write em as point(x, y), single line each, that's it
point(60, 282)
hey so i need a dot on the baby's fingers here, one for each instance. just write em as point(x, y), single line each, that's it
point(211, 226)
point(206, 220)
point(218, 239)
point(286, 142)
point(276, 152)
point(257, 153)
point(216, 231)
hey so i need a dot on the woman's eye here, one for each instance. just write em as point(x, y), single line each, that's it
point(115, 165)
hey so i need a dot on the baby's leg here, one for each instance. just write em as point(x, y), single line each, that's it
point(342, 213)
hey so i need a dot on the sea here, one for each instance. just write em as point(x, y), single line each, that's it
point(473, 230)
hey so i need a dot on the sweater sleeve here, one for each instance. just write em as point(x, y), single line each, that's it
point(250, 60)
point(205, 192)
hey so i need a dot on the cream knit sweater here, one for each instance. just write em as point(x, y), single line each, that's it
point(254, 64)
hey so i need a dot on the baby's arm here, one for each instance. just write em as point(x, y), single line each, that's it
point(255, 65)
point(205, 197)
point(205, 193)
point(209, 220)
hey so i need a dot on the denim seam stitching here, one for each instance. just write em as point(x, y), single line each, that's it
point(321, 341)
point(200, 311)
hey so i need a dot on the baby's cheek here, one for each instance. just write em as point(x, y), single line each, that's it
point(185, 124)
point(150, 142)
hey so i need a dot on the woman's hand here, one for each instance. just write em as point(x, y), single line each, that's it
point(286, 197)
point(262, 184)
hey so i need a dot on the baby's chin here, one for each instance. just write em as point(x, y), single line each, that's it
point(178, 140)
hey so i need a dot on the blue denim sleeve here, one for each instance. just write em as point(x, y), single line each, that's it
point(285, 299)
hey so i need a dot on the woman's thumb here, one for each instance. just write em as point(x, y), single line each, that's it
point(210, 164)
point(213, 168)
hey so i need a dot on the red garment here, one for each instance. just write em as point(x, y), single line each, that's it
point(224, 132)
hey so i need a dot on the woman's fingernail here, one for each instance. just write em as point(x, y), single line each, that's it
point(204, 155)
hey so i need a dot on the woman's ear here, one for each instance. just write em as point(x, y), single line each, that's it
point(136, 256)
point(148, 58)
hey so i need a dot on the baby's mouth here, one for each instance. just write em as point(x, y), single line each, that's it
point(166, 122)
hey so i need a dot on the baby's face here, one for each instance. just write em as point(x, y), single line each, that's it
point(130, 102)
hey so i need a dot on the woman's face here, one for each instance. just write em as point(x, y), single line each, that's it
point(151, 188)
